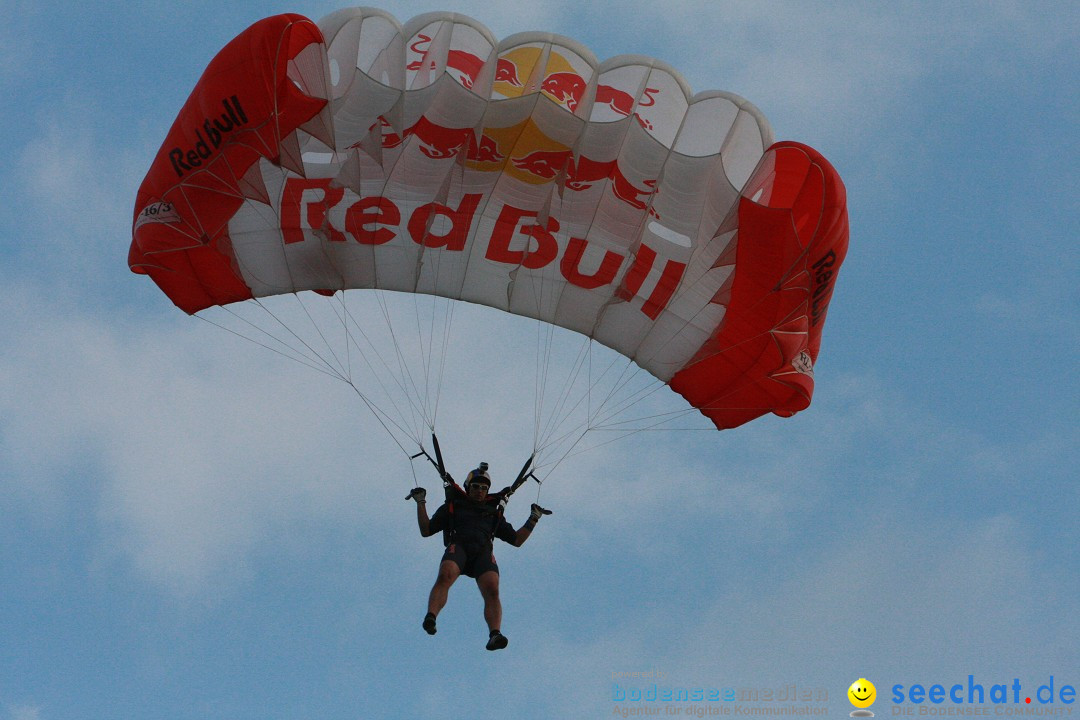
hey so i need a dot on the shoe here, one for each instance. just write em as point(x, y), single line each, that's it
point(429, 624)
point(497, 641)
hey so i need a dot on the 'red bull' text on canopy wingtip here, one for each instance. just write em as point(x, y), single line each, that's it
point(602, 197)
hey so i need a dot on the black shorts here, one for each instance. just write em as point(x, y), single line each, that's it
point(472, 559)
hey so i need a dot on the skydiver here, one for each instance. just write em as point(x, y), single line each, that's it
point(470, 522)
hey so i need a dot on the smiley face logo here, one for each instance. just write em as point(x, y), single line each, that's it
point(862, 693)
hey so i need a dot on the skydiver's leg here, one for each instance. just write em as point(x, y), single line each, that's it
point(448, 574)
point(489, 589)
point(488, 583)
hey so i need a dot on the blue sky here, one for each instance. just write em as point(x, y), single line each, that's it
point(193, 528)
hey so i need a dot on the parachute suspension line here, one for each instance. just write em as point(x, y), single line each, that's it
point(452, 183)
point(314, 353)
point(590, 386)
point(574, 451)
point(670, 415)
point(584, 360)
point(416, 372)
point(349, 316)
point(403, 375)
point(548, 418)
point(616, 386)
point(433, 353)
point(554, 464)
point(574, 436)
point(582, 428)
point(544, 438)
point(622, 434)
point(342, 367)
point(555, 422)
point(382, 417)
point(412, 467)
point(548, 435)
point(539, 485)
point(617, 402)
point(618, 407)
point(344, 316)
point(630, 371)
point(661, 419)
point(448, 322)
point(560, 414)
point(315, 362)
point(432, 405)
point(306, 362)
point(545, 338)
point(578, 433)
point(541, 366)
point(403, 366)
point(556, 412)
point(606, 421)
point(667, 417)
point(539, 388)
point(426, 349)
point(588, 390)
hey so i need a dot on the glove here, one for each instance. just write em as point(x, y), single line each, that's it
point(536, 512)
point(418, 494)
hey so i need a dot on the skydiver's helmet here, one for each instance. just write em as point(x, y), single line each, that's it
point(479, 475)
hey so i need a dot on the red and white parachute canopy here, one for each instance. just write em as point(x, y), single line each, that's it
point(605, 198)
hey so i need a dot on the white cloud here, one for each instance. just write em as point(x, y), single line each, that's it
point(837, 75)
point(202, 456)
point(502, 19)
point(23, 712)
point(209, 448)
point(891, 597)
point(75, 199)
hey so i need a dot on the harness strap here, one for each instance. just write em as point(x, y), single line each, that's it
point(452, 489)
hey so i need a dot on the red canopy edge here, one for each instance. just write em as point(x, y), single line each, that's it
point(792, 236)
point(241, 109)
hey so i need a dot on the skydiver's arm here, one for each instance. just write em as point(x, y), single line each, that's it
point(422, 520)
point(523, 533)
point(525, 530)
point(429, 527)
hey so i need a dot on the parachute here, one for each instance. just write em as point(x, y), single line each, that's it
point(358, 155)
